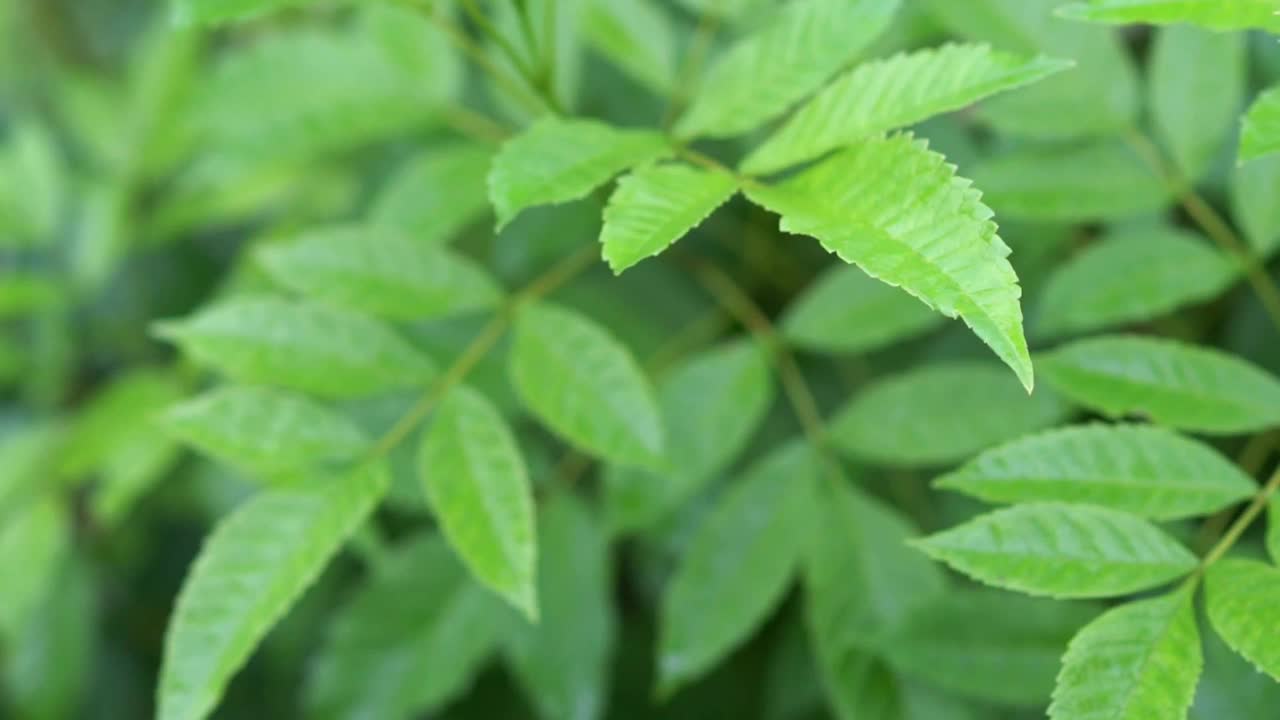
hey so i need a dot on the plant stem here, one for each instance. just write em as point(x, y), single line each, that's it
point(1242, 523)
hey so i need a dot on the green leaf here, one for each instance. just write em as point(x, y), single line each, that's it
point(476, 482)
point(1103, 180)
point(893, 93)
point(711, 405)
point(1230, 688)
point(1135, 468)
point(585, 385)
point(300, 345)
point(1131, 276)
point(381, 271)
point(1242, 598)
point(738, 565)
point(1260, 134)
point(655, 206)
point(1254, 188)
point(28, 455)
point(410, 640)
point(436, 194)
point(797, 48)
point(556, 161)
point(116, 418)
point(273, 432)
point(48, 667)
point(897, 210)
point(1196, 89)
point(1064, 551)
point(210, 12)
point(1212, 14)
point(1181, 386)
point(636, 36)
point(252, 568)
point(1273, 529)
point(846, 311)
point(563, 661)
point(987, 644)
point(1137, 661)
point(33, 542)
point(936, 415)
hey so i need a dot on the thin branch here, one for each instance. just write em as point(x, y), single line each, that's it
point(1242, 523)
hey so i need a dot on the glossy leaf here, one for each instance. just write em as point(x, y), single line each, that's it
point(1181, 386)
point(476, 482)
point(1062, 551)
point(436, 194)
point(1138, 660)
point(1260, 134)
point(847, 311)
point(1139, 469)
point(380, 271)
point(656, 205)
point(254, 566)
point(898, 211)
point(893, 93)
point(1241, 598)
point(556, 161)
point(1212, 14)
point(586, 386)
point(940, 414)
point(1197, 86)
point(300, 345)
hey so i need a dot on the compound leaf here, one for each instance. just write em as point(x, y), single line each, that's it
point(1212, 14)
point(1260, 135)
point(1242, 598)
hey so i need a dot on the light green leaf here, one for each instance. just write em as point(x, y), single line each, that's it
point(476, 482)
point(1181, 386)
point(1254, 188)
point(1242, 598)
point(563, 661)
point(34, 540)
point(636, 36)
point(1131, 276)
point(210, 12)
point(1137, 661)
point(381, 271)
point(585, 385)
point(738, 565)
point(846, 311)
point(935, 415)
point(28, 457)
point(1273, 529)
point(410, 640)
point(115, 418)
point(734, 10)
point(1064, 551)
point(436, 194)
point(1068, 183)
point(1135, 468)
point(897, 210)
point(711, 405)
point(48, 667)
point(300, 345)
point(655, 206)
point(1260, 134)
point(1196, 89)
point(556, 161)
point(252, 568)
point(790, 55)
point(273, 432)
point(1212, 14)
point(986, 644)
point(893, 93)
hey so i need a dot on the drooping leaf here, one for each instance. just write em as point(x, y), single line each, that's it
point(436, 194)
point(1061, 551)
point(739, 563)
point(940, 414)
point(656, 205)
point(1196, 88)
point(252, 568)
point(846, 311)
point(1212, 14)
point(1101, 180)
point(1254, 187)
point(1139, 660)
point(556, 161)
point(301, 345)
point(562, 662)
point(585, 385)
point(638, 37)
point(210, 12)
point(711, 405)
point(792, 53)
point(381, 271)
point(1144, 470)
point(273, 432)
point(893, 93)
point(1132, 276)
point(1181, 386)
point(409, 640)
point(1260, 135)
point(1242, 598)
point(897, 210)
point(476, 482)
point(987, 644)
